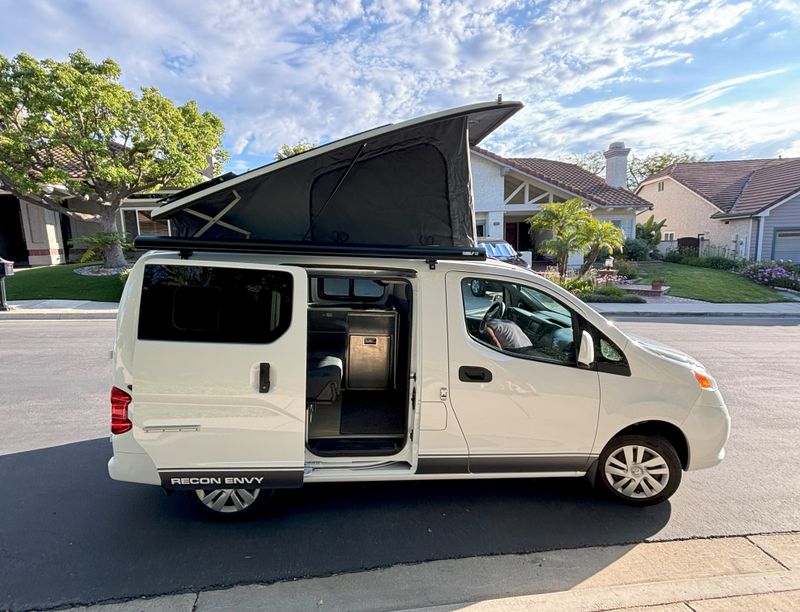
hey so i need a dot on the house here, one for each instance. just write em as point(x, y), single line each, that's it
point(744, 208)
point(508, 190)
point(32, 235)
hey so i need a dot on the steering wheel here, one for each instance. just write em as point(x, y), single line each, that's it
point(495, 311)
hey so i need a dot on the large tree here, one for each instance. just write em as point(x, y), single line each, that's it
point(286, 150)
point(639, 168)
point(70, 130)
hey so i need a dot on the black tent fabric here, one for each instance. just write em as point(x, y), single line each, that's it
point(404, 185)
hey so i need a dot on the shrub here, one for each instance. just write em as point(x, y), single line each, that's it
point(626, 269)
point(675, 256)
point(719, 263)
point(577, 285)
point(773, 274)
point(628, 298)
point(609, 290)
point(636, 249)
point(123, 276)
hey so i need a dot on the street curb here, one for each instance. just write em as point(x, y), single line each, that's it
point(56, 316)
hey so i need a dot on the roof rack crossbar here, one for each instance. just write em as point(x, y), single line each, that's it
point(428, 253)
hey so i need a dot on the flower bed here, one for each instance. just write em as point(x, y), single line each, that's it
point(784, 275)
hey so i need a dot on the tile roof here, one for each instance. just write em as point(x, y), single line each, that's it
point(738, 187)
point(572, 178)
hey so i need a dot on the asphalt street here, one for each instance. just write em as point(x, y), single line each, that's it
point(70, 535)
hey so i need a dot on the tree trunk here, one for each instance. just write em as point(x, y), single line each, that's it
point(113, 257)
point(590, 259)
point(562, 267)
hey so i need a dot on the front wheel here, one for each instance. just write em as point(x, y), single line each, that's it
point(230, 502)
point(641, 470)
point(478, 287)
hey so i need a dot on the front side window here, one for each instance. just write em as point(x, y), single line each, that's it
point(518, 320)
point(203, 304)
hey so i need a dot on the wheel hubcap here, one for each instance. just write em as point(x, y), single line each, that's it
point(636, 471)
point(228, 500)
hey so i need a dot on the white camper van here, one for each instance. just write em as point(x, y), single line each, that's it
point(248, 360)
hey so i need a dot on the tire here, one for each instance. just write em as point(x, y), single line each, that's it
point(639, 469)
point(478, 287)
point(231, 503)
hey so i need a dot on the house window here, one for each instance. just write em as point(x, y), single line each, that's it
point(137, 221)
point(480, 229)
point(668, 236)
point(661, 185)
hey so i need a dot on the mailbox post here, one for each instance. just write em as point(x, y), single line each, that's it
point(6, 269)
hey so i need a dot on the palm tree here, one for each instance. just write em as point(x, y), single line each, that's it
point(600, 235)
point(566, 221)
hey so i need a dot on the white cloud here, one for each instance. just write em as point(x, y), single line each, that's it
point(279, 71)
point(792, 150)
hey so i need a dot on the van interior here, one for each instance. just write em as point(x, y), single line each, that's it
point(359, 355)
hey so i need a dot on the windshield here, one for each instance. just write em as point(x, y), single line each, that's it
point(499, 249)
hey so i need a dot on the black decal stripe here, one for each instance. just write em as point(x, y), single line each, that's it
point(526, 463)
point(442, 465)
point(279, 478)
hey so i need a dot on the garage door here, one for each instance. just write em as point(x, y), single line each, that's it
point(787, 245)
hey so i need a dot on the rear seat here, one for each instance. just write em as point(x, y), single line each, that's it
point(324, 377)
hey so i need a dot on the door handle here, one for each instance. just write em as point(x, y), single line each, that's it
point(263, 377)
point(474, 374)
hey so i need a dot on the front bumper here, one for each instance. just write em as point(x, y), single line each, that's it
point(707, 429)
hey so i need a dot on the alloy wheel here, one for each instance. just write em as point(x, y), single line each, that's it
point(227, 501)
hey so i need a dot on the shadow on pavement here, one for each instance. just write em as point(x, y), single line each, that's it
point(70, 535)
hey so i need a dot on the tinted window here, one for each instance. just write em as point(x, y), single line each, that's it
point(201, 304)
point(334, 288)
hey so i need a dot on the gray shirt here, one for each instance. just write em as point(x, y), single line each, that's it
point(509, 334)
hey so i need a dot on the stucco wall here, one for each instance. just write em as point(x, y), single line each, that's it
point(487, 185)
point(785, 216)
point(626, 218)
point(689, 215)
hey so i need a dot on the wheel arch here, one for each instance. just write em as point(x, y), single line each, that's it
point(670, 432)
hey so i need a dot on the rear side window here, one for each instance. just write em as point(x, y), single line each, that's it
point(202, 304)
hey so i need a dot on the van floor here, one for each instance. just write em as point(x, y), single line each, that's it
point(360, 413)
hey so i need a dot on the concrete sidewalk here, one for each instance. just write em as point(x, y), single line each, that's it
point(700, 309)
point(75, 309)
point(59, 309)
point(733, 573)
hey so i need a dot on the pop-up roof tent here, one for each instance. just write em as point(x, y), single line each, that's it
point(404, 185)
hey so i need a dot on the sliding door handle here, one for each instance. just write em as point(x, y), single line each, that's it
point(263, 377)
point(474, 374)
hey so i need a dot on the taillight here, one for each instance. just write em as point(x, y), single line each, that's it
point(119, 411)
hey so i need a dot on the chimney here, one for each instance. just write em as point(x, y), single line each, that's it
point(617, 164)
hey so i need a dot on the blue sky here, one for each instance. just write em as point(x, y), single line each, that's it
point(707, 76)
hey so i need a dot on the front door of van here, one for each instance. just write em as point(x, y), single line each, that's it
point(522, 402)
point(220, 372)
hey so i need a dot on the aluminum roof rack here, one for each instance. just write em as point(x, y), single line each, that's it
point(186, 246)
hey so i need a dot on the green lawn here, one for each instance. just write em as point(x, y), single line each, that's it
point(708, 284)
point(60, 282)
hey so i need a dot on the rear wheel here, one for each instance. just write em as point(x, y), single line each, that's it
point(230, 502)
point(641, 470)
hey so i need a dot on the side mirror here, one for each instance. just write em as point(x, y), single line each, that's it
point(586, 350)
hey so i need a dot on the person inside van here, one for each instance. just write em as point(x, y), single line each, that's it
point(507, 335)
